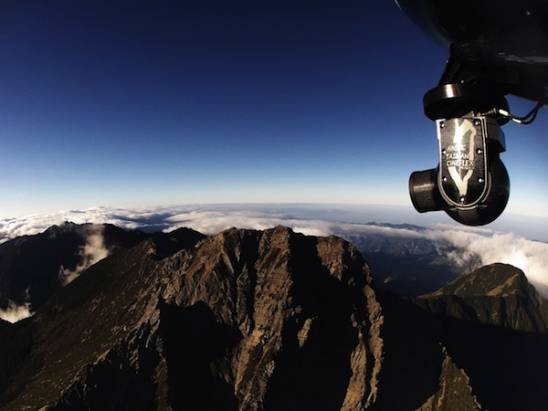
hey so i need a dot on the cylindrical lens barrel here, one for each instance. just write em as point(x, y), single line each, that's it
point(423, 189)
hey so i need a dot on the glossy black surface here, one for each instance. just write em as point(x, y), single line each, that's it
point(506, 39)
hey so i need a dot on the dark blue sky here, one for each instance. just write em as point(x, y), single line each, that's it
point(158, 102)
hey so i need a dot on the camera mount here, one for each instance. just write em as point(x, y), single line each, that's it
point(495, 49)
point(470, 183)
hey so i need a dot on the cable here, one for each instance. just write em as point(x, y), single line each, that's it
point(527, 119)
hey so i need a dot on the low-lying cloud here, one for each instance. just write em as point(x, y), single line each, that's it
point(468, 247)
point(14, 312)
point(528, 255)
point(92, 252)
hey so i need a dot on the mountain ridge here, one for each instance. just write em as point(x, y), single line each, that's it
point(497, 294)
point(215, 290)
point(253, 320)
point(34, 267)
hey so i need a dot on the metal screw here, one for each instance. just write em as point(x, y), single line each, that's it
point(462, 199)
point(442, 124)
point(444, 179)
point(477, 122)
point(444, 151)
point(480, 180)
point(479, 151)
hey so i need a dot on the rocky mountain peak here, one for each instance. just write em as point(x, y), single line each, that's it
point(245, 319)
point(268, 320)
point(495, 280)
point(497, 294)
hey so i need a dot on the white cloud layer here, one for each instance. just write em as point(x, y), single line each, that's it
point(528, 255)
point(14, 313)
point(471, 246)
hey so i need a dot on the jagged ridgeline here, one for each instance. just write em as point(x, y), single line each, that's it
point(259, 320)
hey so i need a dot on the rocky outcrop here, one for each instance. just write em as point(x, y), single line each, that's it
point(272, 320)
point(454, 391)
point(243, 320)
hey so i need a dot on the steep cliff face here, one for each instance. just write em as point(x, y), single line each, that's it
point(244, 320)
point(273, 320)
point(454, 390)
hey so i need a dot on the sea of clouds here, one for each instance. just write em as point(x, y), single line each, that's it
point(474, 246)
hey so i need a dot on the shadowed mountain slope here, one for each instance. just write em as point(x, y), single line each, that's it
point(33, 267)
point(273, 320)
point(244, 320)
point(406, 265)
point(494, 325)
point(498, 294)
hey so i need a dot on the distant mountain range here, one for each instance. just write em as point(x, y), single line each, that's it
point(259, 320)
point(408, 266)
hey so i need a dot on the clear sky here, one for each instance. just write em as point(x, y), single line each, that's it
point(164, 102)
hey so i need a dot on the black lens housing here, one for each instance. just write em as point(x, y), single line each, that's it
point(423, 189)
point(426, 197)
